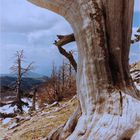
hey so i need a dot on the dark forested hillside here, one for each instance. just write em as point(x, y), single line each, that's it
point(27, 83)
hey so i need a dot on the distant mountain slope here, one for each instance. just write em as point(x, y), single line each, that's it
point(29, 75)
point(27, 82)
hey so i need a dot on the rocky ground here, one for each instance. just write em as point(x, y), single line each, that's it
point(37, 125)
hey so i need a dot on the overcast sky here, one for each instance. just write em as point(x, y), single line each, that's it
point(34, 29)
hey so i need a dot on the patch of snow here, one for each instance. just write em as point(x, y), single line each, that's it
point(137, 86)
point(12, 125)
point(6, 120)
point(25, 108)
point(8, 109)
point(11, 109)
point(27, 100)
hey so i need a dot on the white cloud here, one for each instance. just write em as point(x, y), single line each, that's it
point(22, 16)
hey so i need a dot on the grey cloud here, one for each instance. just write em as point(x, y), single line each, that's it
point(21, 16)
point(28, 27)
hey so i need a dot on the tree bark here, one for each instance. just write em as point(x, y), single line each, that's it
point(64, 39)
point(19, 102)
point(108, 98)
point(34, 99)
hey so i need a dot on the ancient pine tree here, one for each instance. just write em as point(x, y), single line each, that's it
point(109, 101)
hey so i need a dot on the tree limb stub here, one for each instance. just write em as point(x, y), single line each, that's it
point(63, 40)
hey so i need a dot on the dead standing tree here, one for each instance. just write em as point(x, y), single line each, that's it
point(109, 101)
point(20, 72)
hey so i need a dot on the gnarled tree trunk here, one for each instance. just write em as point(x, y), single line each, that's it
point(109, 101)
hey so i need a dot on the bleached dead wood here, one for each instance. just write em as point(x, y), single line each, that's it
point(108, 98)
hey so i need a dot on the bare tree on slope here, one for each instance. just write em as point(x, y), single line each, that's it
point(20, 72)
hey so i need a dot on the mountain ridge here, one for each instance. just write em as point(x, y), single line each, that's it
point(28, 75)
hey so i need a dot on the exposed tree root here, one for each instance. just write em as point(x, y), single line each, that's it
point(118, 118)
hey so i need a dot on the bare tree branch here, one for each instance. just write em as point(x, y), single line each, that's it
point(28, 68)
point(63, 40)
